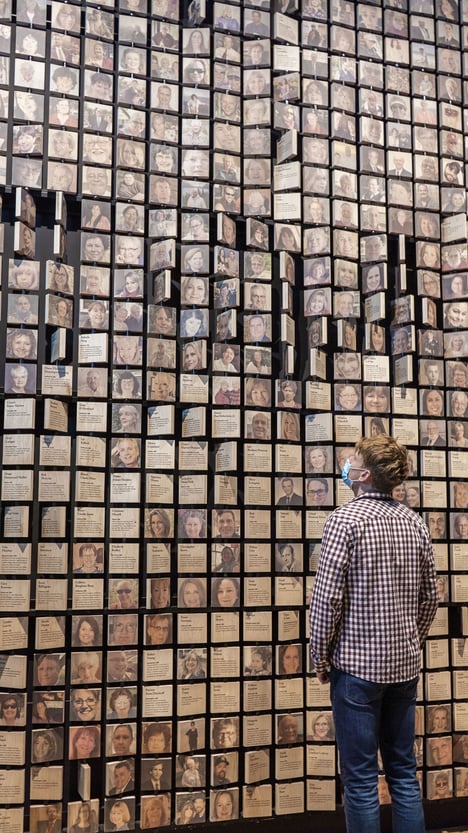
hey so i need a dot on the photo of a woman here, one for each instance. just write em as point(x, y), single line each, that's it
point(192, 593)
point(155, 811)
point(432, 402)
point(158, 629)
point(375, 338)
point(289, 659)
point(121, 705)
point(160, 592)
point(458, 439)
point(126, 419)
point(21, 344)
point(192, 355)
point(159, 523)
point(60, 311)
point(47, 745)
point(347, 397)
point(23, 274)
point(127, 384)
point(20, 378)
point(86, 668)
point(127, 350)
point(95, 315)
point(85, 742)
point(191, 666)
point(47, 708)
point(195, 41)
point(157, 738)
point(258, 392)
point(194, 290)
point(192, 523)
point(257, 361)
point(120, 816)
point(96, 215)
point(377, 399)
point(86, 819)
point(186, 812)
point(289, 426)
point(428, 255)
point(318, 459)
point(321, 726)
point(12, 710)
point(85, 704)
point(194, 259)
point(60, 277)
point(162, 320)
point(317, 302)
point(132, 284)
point(87, 631)
point(194, 323)
point(225, 592)
point(223, 806)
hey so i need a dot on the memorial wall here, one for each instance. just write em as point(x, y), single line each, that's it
point(234, 241)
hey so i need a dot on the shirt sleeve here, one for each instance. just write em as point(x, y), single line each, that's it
point(327, 598)
point(427, 602)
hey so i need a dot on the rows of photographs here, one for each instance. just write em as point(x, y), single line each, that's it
point(272, 262)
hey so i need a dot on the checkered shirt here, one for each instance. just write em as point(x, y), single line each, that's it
point(375, 593)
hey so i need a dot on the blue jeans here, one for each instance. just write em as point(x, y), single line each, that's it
point(368, 715)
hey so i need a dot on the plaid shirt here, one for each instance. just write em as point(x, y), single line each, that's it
point(375, 593)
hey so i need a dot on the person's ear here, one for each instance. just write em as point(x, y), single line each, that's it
point(365, 476)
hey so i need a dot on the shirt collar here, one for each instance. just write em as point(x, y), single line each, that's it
point(374, 494)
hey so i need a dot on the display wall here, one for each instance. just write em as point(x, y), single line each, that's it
point(234, 241)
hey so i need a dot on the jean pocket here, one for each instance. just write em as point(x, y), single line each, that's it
point(407, 690)
point(362, 692)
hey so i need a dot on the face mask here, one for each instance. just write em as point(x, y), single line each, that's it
point(345, 474)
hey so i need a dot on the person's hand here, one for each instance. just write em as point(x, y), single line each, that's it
point(323, 677)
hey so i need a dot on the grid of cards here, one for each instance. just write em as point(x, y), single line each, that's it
point(234, 242)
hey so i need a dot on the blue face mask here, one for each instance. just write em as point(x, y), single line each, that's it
point(345, 474)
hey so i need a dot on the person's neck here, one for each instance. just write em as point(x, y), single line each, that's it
point(362, 488)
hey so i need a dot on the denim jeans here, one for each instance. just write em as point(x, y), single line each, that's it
point(368, 715)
